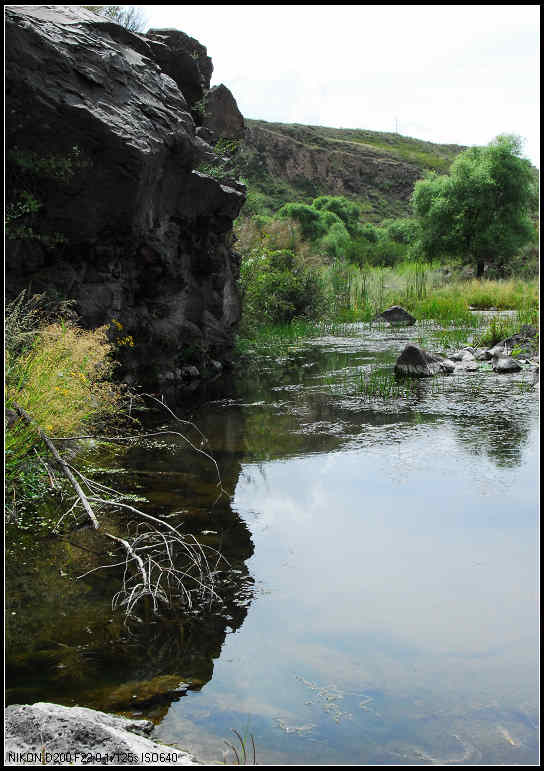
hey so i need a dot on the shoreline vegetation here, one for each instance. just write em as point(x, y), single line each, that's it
point(358, 295)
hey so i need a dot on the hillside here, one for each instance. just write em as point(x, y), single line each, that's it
point(288, 162)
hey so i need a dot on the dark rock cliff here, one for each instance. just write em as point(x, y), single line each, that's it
point(105, 203)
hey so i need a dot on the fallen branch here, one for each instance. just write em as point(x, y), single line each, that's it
point(152, 551)
point(62, 463)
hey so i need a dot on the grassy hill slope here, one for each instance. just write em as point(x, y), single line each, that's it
point(290, 162)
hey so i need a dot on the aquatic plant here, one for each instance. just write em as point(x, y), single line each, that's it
point(241, 754)
point(384, 384)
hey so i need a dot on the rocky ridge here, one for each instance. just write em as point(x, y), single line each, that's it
point(287, 162)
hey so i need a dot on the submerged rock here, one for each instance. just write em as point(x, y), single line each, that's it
point(51, 734)
point(416, 362)
point(396, 315)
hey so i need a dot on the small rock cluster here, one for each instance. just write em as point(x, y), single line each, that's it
point(416, 362)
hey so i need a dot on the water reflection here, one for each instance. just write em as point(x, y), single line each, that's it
point(382, 604)
point(64, 643)
point(395, 617)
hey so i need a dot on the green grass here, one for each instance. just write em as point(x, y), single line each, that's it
point(383, 384)
point(59, 374)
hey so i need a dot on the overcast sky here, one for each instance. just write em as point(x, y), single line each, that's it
point(446, 73)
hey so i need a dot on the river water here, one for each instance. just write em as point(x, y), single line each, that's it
point(383, 595)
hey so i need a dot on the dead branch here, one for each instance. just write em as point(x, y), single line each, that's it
point(152, 555)
point(62, 464)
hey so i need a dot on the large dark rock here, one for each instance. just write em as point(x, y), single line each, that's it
point(130, 231)
point(396, 315)
point(184, 59)
point(416, 362)
point(221, 115)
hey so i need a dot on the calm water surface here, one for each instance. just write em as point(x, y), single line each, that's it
point(389, 614)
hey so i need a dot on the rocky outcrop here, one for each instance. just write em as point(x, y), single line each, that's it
point(50, 734)
point(221, 114)
point(503, 364)
point(416, 362)
point(101, 139)
point(287, 162)
point(396, 316)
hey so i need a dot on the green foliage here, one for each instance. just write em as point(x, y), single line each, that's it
point(480, 211)
point(337, 242)
point(225, 165)
point(404, 230)
point(276, 288)
point(312, 222)
point(346, 210)
point(59, 375)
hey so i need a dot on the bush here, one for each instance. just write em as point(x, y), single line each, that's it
point(337, 243)
point(312, 223)
point(345, 210)
point(277, 288)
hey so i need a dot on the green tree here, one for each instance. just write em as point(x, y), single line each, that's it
point(480, 210)
point(129, 16)
point(346, 210)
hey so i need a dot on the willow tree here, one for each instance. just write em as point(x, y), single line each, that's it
point(480, 211)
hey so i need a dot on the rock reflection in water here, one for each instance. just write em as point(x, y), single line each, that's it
point(63, 642)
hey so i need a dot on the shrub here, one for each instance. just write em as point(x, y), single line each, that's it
point(277, 288)
point(337, 242)
point(345, 210)
point(312, 223)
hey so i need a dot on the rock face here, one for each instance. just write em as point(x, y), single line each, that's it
point(396, 315)
point(60, 736)
point(415, 362)
point(221, 114)
point(100, 132)
point(288, 162)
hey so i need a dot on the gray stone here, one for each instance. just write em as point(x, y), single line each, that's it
point(98, 738)
point(504, 364)
point(396, 315)
point(206, 134)
point(448, 366)
point(416, 362)
point(497, 350)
